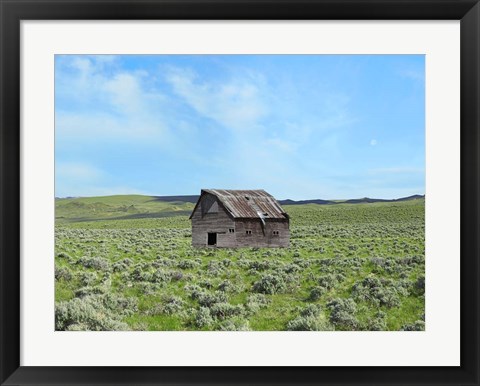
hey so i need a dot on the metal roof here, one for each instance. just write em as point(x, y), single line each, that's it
point(249, 203)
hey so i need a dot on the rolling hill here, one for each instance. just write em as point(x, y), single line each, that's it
point(124, 207)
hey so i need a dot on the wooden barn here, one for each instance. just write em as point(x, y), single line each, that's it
point(239, 218)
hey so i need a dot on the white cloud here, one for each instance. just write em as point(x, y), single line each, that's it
point(266, 130)
point(106, 104)
point(235, 104)
point(125, 93)
point(74, 126)
point(84, 179)
point(373, 142)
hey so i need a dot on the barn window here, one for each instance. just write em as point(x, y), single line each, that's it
point(231, 230)
point(248, 232)
point(276, 233)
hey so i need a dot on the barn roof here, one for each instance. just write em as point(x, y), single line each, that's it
point(248, 203)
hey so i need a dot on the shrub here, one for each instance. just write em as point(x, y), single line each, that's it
point(64, 255)
point(206, 283)
point(123, 306)
point(88, 290)
point(382, 293)
point(420, 284)
point(88, 278)
point(122, 265)
point(161, 276)
point(270, 284)
point(418, 325)
point(205, 298)
point(309, 323)
point(94, 313)
point(343, 313)
point(317, 292)
point(214, 268)
point(163, 262)
point(63, 273)
point(228, 286)
point(330, 280)
point(147, 288)
point(378, 322)
point(203, 317)
point(311, 310)
point(187, 264)
point(193, 290)
point(140, 273)
point(94, 262)
point(291, 268)
point(303, 263)
point(234, 325)
point(172, 305)
point(412, 260)
point(77, 327)
point(225, 310)
point(176, 276)
point(260, 265)
point(255, 302)
point(310, 319)
point(387, 265)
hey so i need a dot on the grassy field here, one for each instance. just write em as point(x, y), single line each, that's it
point(126, 263)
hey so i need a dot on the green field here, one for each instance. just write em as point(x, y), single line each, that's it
point(126, 263)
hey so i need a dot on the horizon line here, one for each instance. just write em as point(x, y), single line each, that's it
point(278, 199)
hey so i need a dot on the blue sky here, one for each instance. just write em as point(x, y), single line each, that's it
point(298, 126)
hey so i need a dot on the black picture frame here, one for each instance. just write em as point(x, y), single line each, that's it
point(13, 11)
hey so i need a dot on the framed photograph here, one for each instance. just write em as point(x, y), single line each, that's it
point(239, 193)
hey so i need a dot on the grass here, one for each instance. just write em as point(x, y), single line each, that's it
point(85, 209)
point(360, 266)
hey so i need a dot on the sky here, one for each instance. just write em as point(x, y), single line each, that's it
point(298, 126)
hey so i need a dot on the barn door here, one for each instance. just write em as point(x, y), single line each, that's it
point(212, 239)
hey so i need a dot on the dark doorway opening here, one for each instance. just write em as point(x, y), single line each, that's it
point(212, 239)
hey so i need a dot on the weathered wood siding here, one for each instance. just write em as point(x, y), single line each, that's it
point(258, 238)
point(219, 222)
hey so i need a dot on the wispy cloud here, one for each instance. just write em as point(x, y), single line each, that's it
point(118, 104)
point(234, 103)
point(84, 179)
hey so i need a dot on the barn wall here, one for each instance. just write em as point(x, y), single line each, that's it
point(218, 222)
point(257, 238)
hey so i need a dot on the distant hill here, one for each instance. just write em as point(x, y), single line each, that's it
point(119, 207)
point(132, 199)
point(193, 199)
point(123, 207)
point(367, 200)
